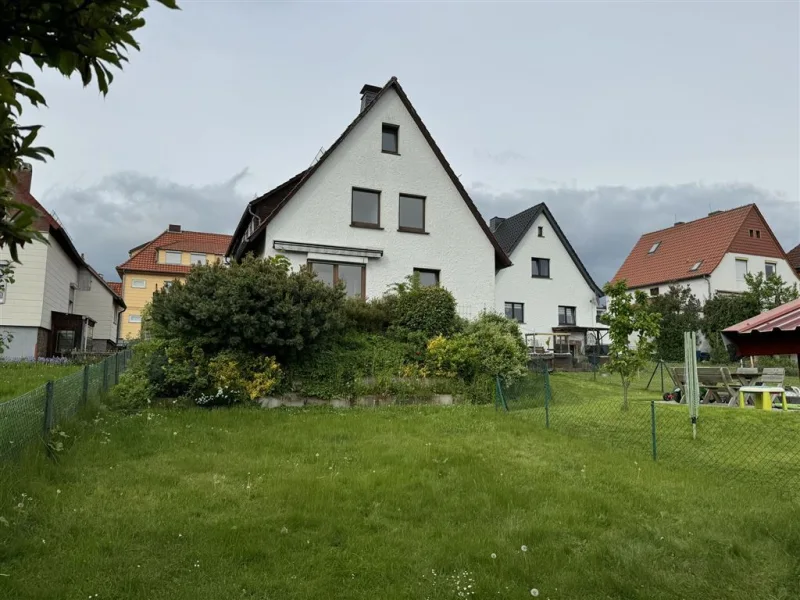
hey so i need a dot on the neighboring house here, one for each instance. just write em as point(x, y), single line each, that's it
point(710, 255)
point(548, 289)
point(380, 204)
point(793, 256)
point(157, 263)
point(57, 303)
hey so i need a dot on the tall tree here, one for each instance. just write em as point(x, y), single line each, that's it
point(768, 292)
point(629, 316)
point(84, 36)
point(679, 311)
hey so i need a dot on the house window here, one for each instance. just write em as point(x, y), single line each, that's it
point(561, 344)
point(770, 268)
point(654, 291)
point(198, 259)
point(751, 233)
point(566, 315)
point(134, 318)
point(758, 234)
point(353, 276)
point(412, 213)
point(71, 301)
point(366, 208)
point(540, 267)
point(389, 138)
point(3, 283)
point(541, 231)
point(172, 258)
point(139, 283)
point(427, 277)
point(515, 311)
point(654, 247)
point(696, 265)
point(741, 269)
point(167, 285)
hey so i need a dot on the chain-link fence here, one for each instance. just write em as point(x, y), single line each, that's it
point(33, 416)
point(758, 447)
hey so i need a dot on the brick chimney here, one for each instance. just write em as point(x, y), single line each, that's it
point(174, 229)
point(24, 175)
point(368, 93)
point(494, 223)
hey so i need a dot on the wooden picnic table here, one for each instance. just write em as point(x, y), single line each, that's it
point(746, 376)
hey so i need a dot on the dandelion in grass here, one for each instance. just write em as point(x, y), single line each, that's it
point(534, 592)
point(494, 555)
point(524, 548)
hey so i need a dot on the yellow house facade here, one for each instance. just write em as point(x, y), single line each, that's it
point(155, 264)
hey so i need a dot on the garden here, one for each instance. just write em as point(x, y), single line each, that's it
point(258, 330)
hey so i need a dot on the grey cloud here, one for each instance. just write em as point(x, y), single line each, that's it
point(604, 223)
point(126, 209)
point(500, 158)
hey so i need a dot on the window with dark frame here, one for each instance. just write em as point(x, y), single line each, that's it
point(389, 138)
point(758, 233)
point(366, 208)
point(541, 231)
point(561, 344)
point(654, 291)
point(540, 267)
point(566, 315)
point(353, 275)
point(427, 277)
point(515, 311)
point(412, 213)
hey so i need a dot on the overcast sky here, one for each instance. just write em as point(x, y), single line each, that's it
point(621, 116)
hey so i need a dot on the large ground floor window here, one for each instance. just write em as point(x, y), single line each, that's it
point(354, 276)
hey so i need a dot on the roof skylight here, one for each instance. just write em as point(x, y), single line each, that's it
point(654, 247)
point(696, 265)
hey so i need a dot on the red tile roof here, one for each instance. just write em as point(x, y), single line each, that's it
point(115, 286)
point(146, 259)
point(793, 256)
point(705, 240)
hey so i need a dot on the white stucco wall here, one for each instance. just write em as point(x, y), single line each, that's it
point(60, 272)
point(724, 276)
point(320, 212)
point(698, 286)
point(542, 297)
point(98, 304)
point(23, 305)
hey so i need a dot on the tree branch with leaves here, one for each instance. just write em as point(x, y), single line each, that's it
point(90, 37)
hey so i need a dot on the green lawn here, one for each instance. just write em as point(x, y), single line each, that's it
point(397, 502)
point(19, 378)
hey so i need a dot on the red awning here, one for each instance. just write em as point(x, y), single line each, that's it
point(776, 331)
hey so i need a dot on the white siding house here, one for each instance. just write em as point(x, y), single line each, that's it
point(379, 205)
point(547, 289)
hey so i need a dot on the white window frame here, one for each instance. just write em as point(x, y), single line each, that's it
point(772, 264)
point(134, 318)
point(172, 253)
point(139, 284)
point(194, 261)
point(736, 266)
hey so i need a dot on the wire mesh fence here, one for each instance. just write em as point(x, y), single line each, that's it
point(32, 416)
point(749, 445)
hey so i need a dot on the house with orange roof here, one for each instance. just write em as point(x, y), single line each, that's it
point(57, 303)
point(710, 255)
point(794, 259)
point(155, 264)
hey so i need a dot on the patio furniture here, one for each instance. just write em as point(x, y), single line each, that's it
point(717, 382)
point(762, 396)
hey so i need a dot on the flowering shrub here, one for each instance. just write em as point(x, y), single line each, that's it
point(244, 376)
point(224, 396)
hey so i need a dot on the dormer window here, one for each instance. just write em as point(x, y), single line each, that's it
point(389, 138)
point(654, 247)
point(696, 265)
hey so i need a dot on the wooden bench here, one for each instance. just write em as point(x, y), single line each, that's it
point(716, 381)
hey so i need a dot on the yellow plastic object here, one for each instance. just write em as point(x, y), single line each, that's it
point(762, 396)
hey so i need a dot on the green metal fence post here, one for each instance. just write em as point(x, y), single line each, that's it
point(105, 375)
point(85, 396)
point(547, 393)
point(47, 423)
point(116, 368)
point(653, 428)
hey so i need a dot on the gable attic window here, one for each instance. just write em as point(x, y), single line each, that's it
point(758, 234)
point(541, 231)
point(696, 265)
point(389, 138)
point(171, 257)
point(412, 214)
point(366, 208)
point(540, 267)
point(654, 247)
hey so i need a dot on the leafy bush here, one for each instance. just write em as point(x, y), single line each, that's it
point(430, 311)
point(243, 376)
point(679, 311)
point(258, 306)
point(368, 316)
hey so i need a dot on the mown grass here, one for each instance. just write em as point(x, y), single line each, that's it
point(378, 503)
point(19, 378)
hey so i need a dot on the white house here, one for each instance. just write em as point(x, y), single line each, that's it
point(710, 255)
point(57, 302)
point(547, 289)
point(380, 204)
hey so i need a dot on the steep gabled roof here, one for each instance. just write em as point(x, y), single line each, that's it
point(116, 287)
point(146, 259)
point(511, 231)
point(276, 199)
point(682, 246)
point(46, 222)
point(793, 256)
